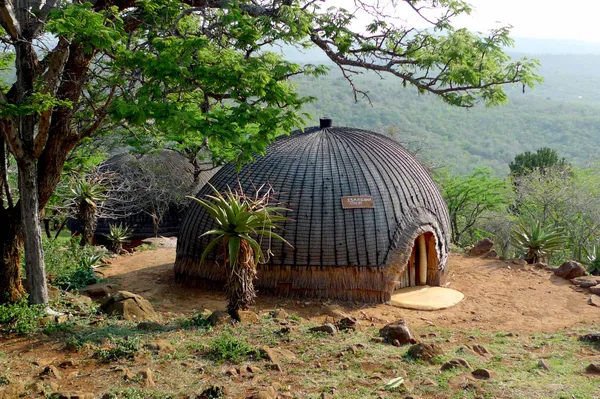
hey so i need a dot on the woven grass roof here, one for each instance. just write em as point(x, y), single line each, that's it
point(310, 172)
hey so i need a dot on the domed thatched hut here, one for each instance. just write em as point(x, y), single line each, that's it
point(148, 193)
point(366, 218)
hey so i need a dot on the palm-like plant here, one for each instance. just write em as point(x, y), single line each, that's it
point(117, 235)
point(593, 260)
point(536, 241)
point(87, 194)
point(239, 220)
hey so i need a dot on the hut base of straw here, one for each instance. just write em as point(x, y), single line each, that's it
point(346, 283)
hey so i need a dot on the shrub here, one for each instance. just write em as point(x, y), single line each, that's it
point(117, 235)
point(593, 260)
point(227, 347)
point(20, 317)
point(71, 266)
point(537, 242)
point(123, 348)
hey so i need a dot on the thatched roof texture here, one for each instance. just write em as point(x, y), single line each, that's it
point(357, 200)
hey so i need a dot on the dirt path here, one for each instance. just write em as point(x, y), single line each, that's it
point(499, 296)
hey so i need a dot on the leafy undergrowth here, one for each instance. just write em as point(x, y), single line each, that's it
point(348, 364)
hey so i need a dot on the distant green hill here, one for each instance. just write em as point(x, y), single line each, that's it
point(563, 113)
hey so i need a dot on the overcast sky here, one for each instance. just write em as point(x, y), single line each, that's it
point(550, 19)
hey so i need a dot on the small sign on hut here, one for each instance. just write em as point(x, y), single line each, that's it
point(357, 202)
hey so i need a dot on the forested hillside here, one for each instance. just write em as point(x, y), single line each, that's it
point(563, 113)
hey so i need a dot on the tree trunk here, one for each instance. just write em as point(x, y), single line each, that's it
point(11, 242)
point(240, 280)
point(30, 213)
point(87, 218)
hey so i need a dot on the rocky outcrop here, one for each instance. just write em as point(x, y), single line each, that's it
point(397, 332)
point(482, 247)
point(129, 306)
point(570, 270)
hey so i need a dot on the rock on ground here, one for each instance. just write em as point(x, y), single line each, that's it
point(586, 281)
point(425, 351)
point(129, 306)
point(570, 270)
point(218, 318)
point(397, 331)
point(482, 247)
point(456, 363)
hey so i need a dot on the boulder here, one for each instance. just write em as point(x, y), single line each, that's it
point(481, 350)
point(247, 316)
point(593, 368)
point(594, 300)
point(425, 351)
point(543, 365)
point(129, 306)
point(595, 337)
point(326, 328)
point(482, 374)
point(218, 318)
point(586, 281)
point(279, 314)
point(456, 363)
point(482, 247)
point(99, 290)
point(570, 270)
point(348, 323)
point(397, 331)
point(492, 254)
point(595, 289)
point(147, 378)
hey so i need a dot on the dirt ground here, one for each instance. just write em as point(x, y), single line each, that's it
point(499, 296)
point(522, 315)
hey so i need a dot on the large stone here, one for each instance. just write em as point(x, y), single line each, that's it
point(594, 300)
point(247, 316)
point(99, 290)
point(456, 363)
point(595, 289)
point(586, 281)
point(482, 374)
point(397, 331)
point(570, 270)
point(326, 328)
point(425, 351)
point(129, 306)
point(593, 368)
point(595, 337)
point(482, 247)
point(218, 317)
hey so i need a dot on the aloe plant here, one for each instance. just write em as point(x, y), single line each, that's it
point(117, 235)
point(536, 241)
point(592, 260)
point(240, 221)
point(87, 194)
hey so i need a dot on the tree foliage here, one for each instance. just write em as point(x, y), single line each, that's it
point(540, 160)
point(470, 197)
point(198, 73)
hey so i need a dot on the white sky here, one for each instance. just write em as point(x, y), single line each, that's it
point(550, 19)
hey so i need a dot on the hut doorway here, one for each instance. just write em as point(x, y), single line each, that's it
point(422, 267)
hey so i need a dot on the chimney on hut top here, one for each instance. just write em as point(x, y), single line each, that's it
point(326, 122)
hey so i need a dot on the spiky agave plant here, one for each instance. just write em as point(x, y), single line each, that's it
point(538, 242)
point(117, 235)
point(87, 194)
point(241, 220)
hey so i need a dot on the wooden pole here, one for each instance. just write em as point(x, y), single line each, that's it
point(422, 260)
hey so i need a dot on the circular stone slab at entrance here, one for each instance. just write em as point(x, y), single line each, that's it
point(426, 298)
